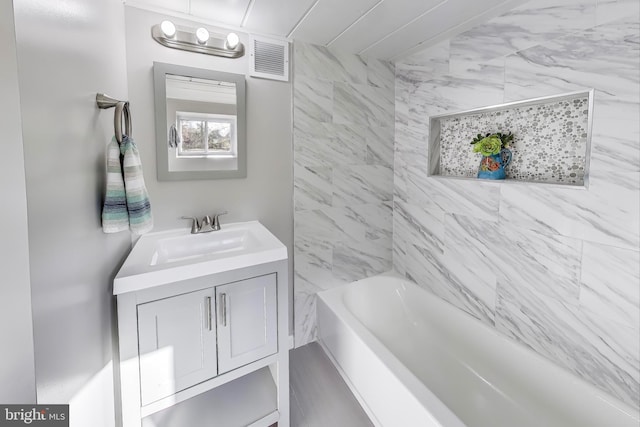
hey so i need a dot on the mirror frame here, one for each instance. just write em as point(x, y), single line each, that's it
point(160, 70)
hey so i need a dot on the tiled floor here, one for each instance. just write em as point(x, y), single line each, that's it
point(319, 396)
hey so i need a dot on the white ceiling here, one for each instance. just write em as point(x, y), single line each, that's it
point(386, 29)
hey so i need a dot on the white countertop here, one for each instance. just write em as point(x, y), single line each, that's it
point(141, 269)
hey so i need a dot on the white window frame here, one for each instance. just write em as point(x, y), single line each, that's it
point(205, 153)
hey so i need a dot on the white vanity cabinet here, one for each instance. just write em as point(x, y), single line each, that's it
point(177, 335)
point(177, 344)
point(206, 350)
point(247, 326)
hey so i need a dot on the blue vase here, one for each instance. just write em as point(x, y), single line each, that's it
point(492, 167)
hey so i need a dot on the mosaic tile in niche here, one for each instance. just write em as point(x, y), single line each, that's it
point(550, 143)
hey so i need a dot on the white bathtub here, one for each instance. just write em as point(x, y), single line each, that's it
point(414, 360)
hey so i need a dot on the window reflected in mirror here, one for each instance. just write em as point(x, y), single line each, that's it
point(206, 135)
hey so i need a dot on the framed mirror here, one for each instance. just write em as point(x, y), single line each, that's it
point(200, 123)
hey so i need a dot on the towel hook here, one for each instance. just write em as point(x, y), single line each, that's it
point(121, 109)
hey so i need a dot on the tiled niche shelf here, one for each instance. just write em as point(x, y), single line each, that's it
point(552, 138)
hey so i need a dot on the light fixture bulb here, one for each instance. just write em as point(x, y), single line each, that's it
point(202, 35)
point(232, 41)
point(168, 29)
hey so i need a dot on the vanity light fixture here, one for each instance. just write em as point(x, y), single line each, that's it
point(232, 41)
point(199, 40)
point(168, 29)
point(202, 35)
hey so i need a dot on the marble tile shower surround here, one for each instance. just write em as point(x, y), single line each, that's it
point(343, 173)
point(549, 145)
point(557, 269)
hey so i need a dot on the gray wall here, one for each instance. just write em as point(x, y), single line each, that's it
point(343, 176)
point(554, 268)
point(265, 194)
point(17, 368)
point(68, 51)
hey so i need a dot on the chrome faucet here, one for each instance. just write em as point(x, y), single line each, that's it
point(206, 225)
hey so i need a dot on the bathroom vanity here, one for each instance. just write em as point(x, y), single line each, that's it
point(203, 329)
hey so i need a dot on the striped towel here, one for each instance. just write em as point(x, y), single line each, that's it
point(115, 217)
point(140, 219)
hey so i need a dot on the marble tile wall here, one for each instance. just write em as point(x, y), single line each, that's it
point(343, 137)
point(555, 269)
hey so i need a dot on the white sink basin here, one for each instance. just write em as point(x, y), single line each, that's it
point(175, 255)
point(191, 246)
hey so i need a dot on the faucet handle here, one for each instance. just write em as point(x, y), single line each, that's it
point(195, 226)
point(216, 220)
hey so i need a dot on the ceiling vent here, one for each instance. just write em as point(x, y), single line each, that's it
point(269, 58)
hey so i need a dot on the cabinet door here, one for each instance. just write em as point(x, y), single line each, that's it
point(247, 321)
point(177, 344)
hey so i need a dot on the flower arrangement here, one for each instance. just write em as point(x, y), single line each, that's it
point(496, 155)
point(491, 143)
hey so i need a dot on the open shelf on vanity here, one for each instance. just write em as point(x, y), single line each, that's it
point(251, 400)
point(551, 145)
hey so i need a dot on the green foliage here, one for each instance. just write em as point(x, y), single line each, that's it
point(491, 143)
point(488, 146)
